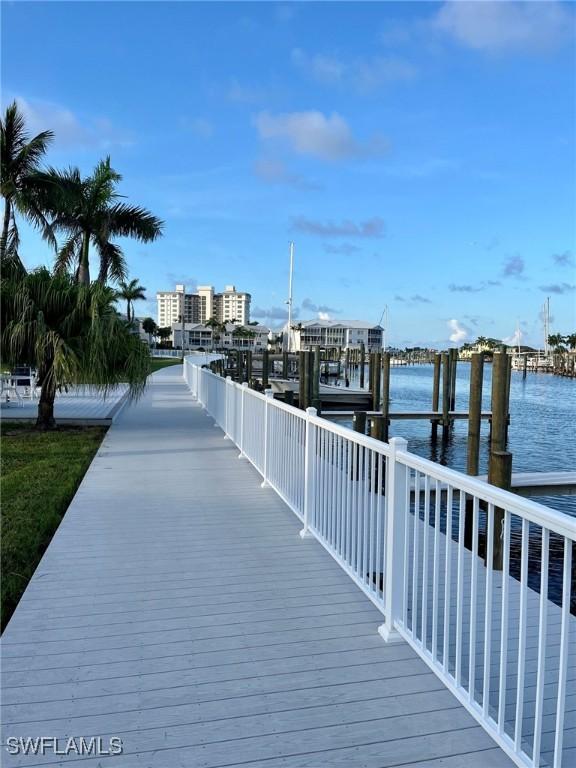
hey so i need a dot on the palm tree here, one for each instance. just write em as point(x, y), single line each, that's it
point(149, 327)
point(217, 329)
point(163, 334)
point(72, 334)
point(555, 340)
point(88, 212)
point(131, 292)
point(571, 340)
point(20, 157)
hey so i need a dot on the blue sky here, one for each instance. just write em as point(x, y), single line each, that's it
point(420, 155)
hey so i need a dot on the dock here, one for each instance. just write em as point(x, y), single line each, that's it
point(81, 406)
point(178, 609)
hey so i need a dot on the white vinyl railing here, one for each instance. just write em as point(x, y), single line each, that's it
point(503, 641)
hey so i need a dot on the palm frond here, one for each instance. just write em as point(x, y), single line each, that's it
point(134, 221)
point(112, 262)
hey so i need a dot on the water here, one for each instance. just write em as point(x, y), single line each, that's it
point(541, 434)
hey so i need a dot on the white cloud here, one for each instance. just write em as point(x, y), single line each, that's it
point(275, 172)
point(313, 133)
point(69, 130)
point(459, 331)
point(515, 339)
point(324, 316)
point(363, 74)
point(373, 227)
point(491, 26)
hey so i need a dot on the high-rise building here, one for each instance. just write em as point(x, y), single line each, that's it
point(229, 306)
point(232, 306)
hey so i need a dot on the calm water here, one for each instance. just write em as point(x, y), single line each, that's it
point(541, 435)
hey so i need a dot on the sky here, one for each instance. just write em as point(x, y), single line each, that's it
point(420, 155)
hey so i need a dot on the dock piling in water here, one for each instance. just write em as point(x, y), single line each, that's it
point(474, 412)
point(500, 475)
point(445, 395)
point(436, 393)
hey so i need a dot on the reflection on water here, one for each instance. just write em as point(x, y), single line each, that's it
point(541, 436)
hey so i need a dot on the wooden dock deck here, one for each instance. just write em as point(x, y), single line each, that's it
point(178, 609)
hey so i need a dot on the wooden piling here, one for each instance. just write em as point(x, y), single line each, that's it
point(316, 380)
point(436, 394)
point(445, 394)
point(499, 402)
point(500, 475)
point(385, 395)
point(284, 365)
point(453, 364)
point(347, 368)
point(362, 358)
point(248, 361)
point(265, 371)
point(359, 422)
point(302, 380)
point(289, 397)
point(377, 427)
point(377, 382)
point(524, 366)
point(474, 413)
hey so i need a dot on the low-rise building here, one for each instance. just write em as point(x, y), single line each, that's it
point(347, 334)
point(230, 336)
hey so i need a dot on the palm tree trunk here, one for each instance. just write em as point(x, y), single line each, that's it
point(84, 266)
point(5, 227)
point(128, 310)
point(45, 420)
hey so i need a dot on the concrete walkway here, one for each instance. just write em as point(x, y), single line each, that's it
point(178, 609)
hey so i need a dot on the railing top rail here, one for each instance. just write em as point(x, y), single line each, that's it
point(530, 510)
point(354, 437)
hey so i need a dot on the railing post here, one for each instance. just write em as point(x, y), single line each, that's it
point(227, 408)
point(394, 554)
point(309, 478)
point(269, 394)
point(241, 438)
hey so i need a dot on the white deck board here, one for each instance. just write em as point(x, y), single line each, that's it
point(178, 609)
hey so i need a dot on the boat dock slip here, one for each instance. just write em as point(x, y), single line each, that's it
point(178, 609)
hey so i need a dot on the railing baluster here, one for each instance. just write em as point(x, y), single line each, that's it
point(460, 588)
point(542, 630)
point(521, 637)
point(563, 660)
point(435, 567)
point(504, 625)
point(415, 555)
point(473, 601)
point(425, 554)
point(488, 609)
point(447, 581)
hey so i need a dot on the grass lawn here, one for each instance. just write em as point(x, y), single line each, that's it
point(163, 362)
point(40, 474)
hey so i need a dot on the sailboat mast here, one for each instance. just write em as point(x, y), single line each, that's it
point(289, 302)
